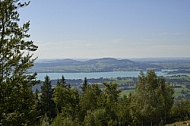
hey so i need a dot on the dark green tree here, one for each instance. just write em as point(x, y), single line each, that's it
point(37, 105)
point(90, 100)
point(65, 97)
point(91, 92)
point(59, 97)
point(67, 104)
point(16, 97)
point(46, 98)
point(85, 84)
point(71, 108)
point(62, 82)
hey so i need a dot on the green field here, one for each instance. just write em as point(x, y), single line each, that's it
point(179, 83)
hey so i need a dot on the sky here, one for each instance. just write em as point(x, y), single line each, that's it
point(109, 28)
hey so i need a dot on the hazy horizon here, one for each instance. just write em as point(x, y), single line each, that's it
point(145, 58)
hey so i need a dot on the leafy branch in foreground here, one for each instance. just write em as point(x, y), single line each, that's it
point(16, 97)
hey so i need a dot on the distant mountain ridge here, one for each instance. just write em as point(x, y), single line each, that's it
point(93, 65)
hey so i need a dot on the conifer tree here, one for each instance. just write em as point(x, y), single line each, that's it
point(47, 103)
point(62, 82)
point(59, 95)
point(85, 84)
point(16, 96)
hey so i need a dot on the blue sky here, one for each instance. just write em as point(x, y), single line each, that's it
point(109, 28)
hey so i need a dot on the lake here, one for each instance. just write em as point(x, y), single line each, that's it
point(95, 75)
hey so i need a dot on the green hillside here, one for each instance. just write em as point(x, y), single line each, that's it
point(94, 65)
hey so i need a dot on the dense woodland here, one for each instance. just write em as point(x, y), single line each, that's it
point(152, 103)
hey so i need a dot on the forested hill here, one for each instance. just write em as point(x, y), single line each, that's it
point(94, 65)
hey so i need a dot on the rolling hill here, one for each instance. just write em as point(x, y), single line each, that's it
point(93, 65)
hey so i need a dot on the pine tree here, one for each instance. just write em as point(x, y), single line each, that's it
point(85, 84)
point(46, 98)
point(16, 96)
point(59, 97)
point(62, 82)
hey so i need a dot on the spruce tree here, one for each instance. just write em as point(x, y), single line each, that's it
point(85, 84)
point(16, 96)
point(46, 98)
point(62, 82)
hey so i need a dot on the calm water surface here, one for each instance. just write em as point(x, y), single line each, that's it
point(95, 75)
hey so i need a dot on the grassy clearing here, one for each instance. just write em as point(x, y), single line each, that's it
point(182, 123)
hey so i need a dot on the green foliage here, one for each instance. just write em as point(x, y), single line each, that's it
point(59, 97)
point(123, 111)
point(91, 92)
point(111, 96)
point(150, 104)
point(66, 101)
point(45, 121)
point(111, 92)
point(181, 110)
point(64, 121)
point(152, 100)
point(16, 98)
point(90, 100)
point(61, 82)
point(84, 85)
point(95, 118)
point(46, 99)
